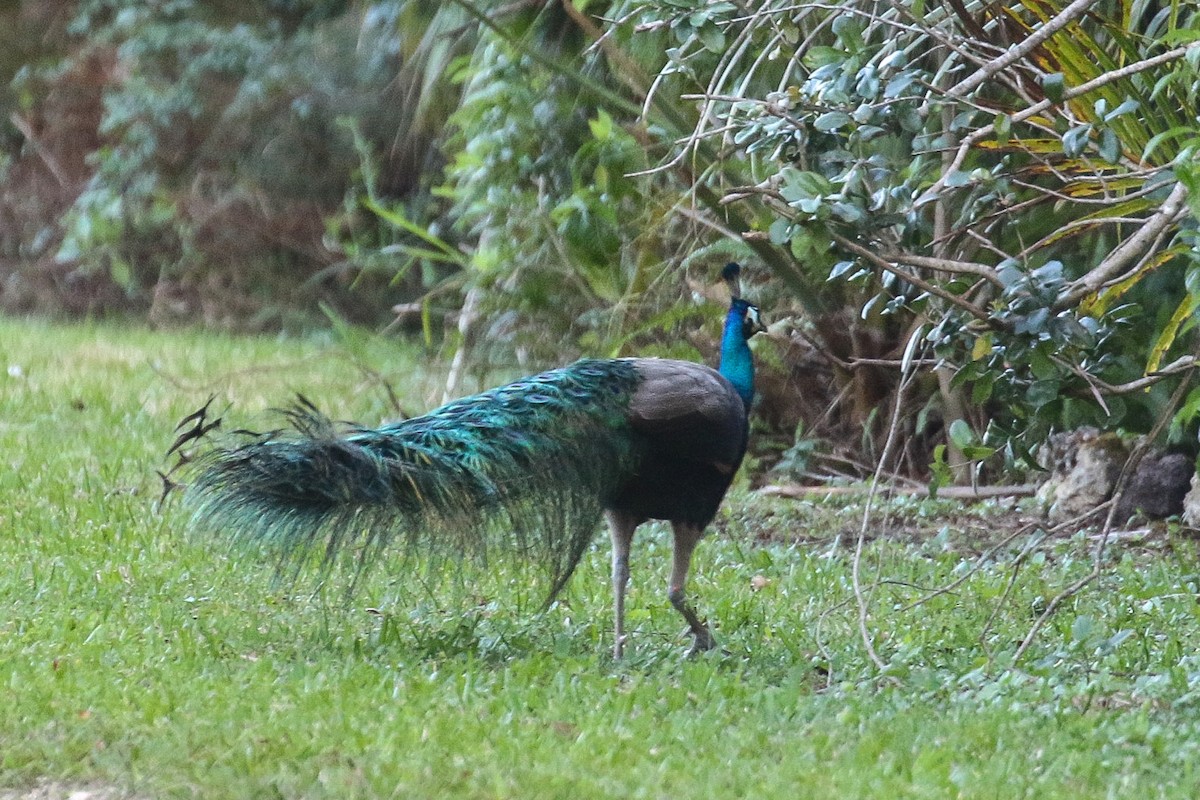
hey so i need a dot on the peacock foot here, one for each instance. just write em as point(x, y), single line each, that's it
point(702, 641)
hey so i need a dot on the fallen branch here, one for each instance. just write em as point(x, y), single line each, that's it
point(798, 491)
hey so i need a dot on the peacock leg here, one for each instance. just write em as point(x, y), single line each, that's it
point(686, 537)
point(621, 527)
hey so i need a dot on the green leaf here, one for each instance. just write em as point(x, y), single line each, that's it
point(981, 390)
point(849, 31)
point(1130, 105)
point(848, 212)
point(1041, 393)
point(1009, 273)
point(831, 120)
point(940, 473)
point(780, 231)
point(1041, 365)
point(841, 268)
point(821, 55)
point(1003, 125)
point(601, 126)
point(978, 452)
point(1158, 138)
point(899, 84)
point(712, 37)
point(961, 435)
point(802, 185)
point(1082, 628)
point(909, 118)
point(1110, 147)
point(809, 205)
point(957, 178)
point(122, 274)
point(1076, 140)
point(397, 218)
point(1054, 86)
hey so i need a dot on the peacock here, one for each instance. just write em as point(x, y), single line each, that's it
point(531, 465)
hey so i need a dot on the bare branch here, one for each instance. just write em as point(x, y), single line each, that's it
point(1019, 51)
point(1172, 209)
point(798, 491)
point(860, 597)
point(982, 133)
point(915, 280)
point(1179, 365)
point(47, 157)
point(947, 265)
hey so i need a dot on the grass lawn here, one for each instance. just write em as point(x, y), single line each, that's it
point(140, 662)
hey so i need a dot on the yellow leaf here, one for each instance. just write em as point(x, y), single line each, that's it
point(1096, 304)
point(1167, 337)
point(983, 346)
point(1088, 188)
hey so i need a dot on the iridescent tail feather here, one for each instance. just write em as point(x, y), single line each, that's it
point(525, 467)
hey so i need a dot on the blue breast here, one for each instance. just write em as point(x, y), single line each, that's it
point(737, 363)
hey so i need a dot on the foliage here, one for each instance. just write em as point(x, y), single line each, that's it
point(1021, 210)
point(1020, 218)
point(542, 165)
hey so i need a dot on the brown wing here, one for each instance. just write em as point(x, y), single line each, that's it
point(691, 406)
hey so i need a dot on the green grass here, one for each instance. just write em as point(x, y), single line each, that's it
point(152, 664)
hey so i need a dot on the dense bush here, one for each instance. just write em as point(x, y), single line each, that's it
point(1003, 189)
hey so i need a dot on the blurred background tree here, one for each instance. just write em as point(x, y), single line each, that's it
point(194, 160)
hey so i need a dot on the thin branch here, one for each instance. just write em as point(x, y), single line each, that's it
point(1020, 51)
point(1078, 225)
point(1115, 262)
point(947, 265)
point(1179, 365)
point(47, 157)
point(1145, 175)
point(987, 244)
point(920, 283)
point(840, 9)
point(982, 133)
point(1017, 563)
point(889, 444)
point(982, 559)
point(796, 491)
point(862, 361)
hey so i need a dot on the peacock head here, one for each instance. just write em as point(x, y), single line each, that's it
point(751, 317)
point(747, 313)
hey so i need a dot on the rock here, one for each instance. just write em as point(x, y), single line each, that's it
point(1084, 466)
point(1191, 504)
point(1157, 488)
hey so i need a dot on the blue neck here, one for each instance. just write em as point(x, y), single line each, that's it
point(737, 365)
